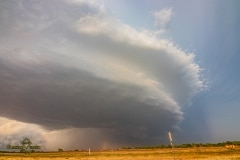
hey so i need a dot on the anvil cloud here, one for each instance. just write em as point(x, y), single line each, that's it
point(70, 65)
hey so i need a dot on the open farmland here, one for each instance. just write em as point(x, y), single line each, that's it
point(200, 153)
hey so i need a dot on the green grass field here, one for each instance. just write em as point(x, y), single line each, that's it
point(199, 153)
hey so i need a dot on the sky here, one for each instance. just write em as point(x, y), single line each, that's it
point(78, 74)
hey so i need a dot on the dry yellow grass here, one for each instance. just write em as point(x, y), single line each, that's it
point(209, 153)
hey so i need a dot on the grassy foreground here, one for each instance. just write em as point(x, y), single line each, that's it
point(199, 153)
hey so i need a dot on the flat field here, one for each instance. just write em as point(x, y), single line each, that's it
point(199, 153)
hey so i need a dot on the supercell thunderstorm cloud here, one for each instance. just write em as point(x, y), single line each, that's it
point(72, 70)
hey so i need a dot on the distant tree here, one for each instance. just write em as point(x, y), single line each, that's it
point(228, 142)
point(60, 150)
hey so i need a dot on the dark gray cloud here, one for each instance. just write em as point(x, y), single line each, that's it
point(66, 97)
point(67, 64)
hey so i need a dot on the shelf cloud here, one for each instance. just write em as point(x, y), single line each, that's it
point(71, 67)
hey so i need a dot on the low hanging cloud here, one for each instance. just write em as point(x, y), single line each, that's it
point(67, 65)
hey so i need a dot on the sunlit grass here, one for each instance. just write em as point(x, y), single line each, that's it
point(198, 153)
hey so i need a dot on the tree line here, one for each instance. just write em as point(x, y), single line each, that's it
point(188, 145)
